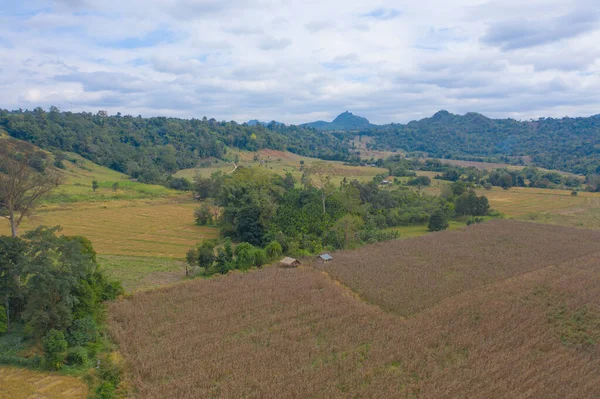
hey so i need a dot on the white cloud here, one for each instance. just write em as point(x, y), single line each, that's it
point(296, 61)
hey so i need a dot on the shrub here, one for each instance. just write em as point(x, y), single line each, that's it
point(55, 346)
point(574, 193)
point(438, 221)
point(82, 332)
point(274, 250)
point(180, 183)
point(474, 221)
point(245, 254)
point(77, 356)
point(203, 215)
point(260, 257)
point(3, 320)
point(420, 180)
point(488, 186)
point(106, 390)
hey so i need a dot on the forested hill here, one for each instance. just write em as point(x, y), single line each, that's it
point(346, 121)
point(569, 144)
point(150, 148)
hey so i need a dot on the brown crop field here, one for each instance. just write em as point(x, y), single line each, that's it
point(520, 318)
point(407, 276)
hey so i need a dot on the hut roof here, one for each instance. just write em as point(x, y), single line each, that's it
point(326, 257)
point(289, 261)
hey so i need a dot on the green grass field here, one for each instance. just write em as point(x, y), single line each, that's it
point(78, 184)
point(284, 162)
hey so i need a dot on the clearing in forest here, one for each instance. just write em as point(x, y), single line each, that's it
point(512, 329)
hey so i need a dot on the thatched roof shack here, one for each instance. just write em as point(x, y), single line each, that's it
point(289, 262)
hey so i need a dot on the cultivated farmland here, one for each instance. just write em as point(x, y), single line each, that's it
point(526, 326)
point(407, 276)
point(20, 383)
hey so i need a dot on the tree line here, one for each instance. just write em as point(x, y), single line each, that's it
point(567, 144)
point(151, 149)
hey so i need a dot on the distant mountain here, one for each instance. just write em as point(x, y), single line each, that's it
point(255, 122)
point(344, 121)
point(569, 144)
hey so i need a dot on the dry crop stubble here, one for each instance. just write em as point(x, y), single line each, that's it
point(296, 333)
point(407, 276)
point(491, 325)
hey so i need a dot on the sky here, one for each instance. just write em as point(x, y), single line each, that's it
point(298, 61)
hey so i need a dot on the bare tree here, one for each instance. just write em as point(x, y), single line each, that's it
point(21, 186)
point(319, 175)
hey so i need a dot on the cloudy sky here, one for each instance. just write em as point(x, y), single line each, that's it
point(301, 60)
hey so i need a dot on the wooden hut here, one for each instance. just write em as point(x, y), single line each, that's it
point(289, 262)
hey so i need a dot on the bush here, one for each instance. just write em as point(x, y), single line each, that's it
point(106, 390)
point(3, 320)
point(274, 250)
point(438, 221)
point(260, 257)
point(203, 215)
point(82, 332)
point(420, 180)
point(245, 254)
point(488, 186)
point(77, 356)
point(474, 221)
point(55, 346)
point(180, 183)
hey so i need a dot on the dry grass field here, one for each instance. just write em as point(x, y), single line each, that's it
point(272, 333)
point(408, 276)
point(20, 384)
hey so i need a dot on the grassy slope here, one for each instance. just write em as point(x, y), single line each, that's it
point(284, 162)
point(140, 231)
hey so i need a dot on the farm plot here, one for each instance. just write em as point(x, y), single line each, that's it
point(408, 276)
point(296, 333)
point(519, 201)
point(131, 228)
point(18, 383)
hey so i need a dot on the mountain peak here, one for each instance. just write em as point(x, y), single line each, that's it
point(344, 121)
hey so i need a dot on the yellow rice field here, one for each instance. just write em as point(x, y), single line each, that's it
point(161, 228)
point(20, 383)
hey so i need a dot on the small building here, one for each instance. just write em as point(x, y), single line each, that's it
point(385, 182)
point(289, 262)
point(325, 258)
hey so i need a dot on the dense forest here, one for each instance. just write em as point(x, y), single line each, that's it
point(568, 144)
point(149, 149)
